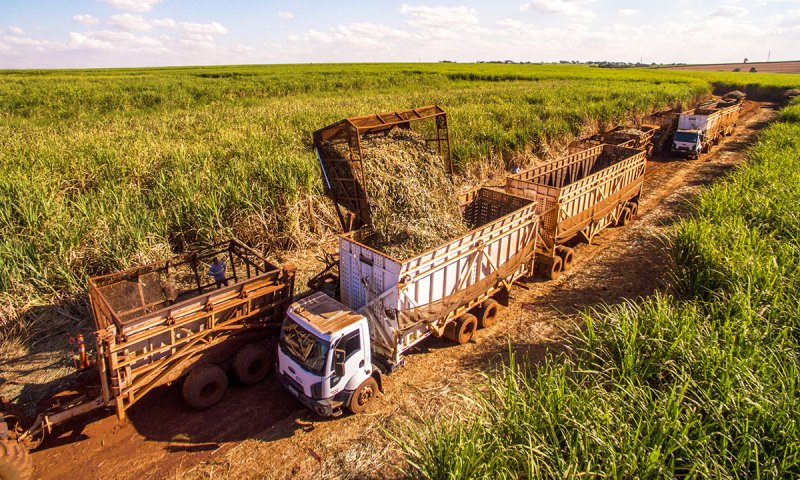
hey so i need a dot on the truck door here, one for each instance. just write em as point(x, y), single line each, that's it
point(354, 361)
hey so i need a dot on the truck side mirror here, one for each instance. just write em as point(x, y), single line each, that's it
point(338, 362)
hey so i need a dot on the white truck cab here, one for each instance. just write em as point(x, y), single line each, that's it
point(688, 142)
point(325, 358)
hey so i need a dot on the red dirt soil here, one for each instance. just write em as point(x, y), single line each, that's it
point(762, 67)
point(262, 432)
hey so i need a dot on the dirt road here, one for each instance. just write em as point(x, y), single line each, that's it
point(769, 67)
point(261, 432)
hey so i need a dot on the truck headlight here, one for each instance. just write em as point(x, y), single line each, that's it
point(316, 391)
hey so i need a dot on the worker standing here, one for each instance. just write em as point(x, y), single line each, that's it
point(217, 271)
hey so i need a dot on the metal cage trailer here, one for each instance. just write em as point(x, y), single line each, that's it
point(640, 137)
point(343, 179)
point(578, 196)
point(163, 322)
point(436, 292)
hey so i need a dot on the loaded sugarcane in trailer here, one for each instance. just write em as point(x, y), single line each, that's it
point(330, 350)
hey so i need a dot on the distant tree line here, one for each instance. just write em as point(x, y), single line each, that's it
point(591, 63)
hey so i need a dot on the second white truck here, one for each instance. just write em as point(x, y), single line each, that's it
point(701, 128)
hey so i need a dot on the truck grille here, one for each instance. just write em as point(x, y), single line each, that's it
point(293, 383)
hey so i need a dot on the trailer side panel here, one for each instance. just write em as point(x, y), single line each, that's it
point(418, 296)
point(588, 203)
point(152, 343)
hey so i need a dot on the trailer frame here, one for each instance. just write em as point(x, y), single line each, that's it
point(580, 195)
point(348, 192)
point(159, 342)
point(408, 300)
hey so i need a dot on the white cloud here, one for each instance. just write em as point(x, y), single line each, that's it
point(127, 21)
point(361, 35)
point(197, 41)
point(730, 11)
point(190, 27)
point(14, 45)
point(627, 12)
point(16, 30)
point(288, 15)
point(193, 44)
point(132, 5)
point(85, 19)
point(570, 8)
point(440, 17)
point(193, 27)
point(791, 19)
point(114, 41)
point(165, 23)
point(510, 23)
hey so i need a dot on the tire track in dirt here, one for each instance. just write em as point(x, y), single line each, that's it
point(261, 432)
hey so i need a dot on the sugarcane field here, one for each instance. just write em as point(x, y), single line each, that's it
point(231, 251)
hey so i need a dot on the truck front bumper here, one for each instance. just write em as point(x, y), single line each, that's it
point(325, 407)
point(684, 151)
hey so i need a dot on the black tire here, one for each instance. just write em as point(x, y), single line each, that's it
point(461, 330)
point(363, 396)
point(567, 256)
point(487, 314)
point(205, 386)
point(624, 217)
point(15, 461)
point(252, 363)
point(553, 271)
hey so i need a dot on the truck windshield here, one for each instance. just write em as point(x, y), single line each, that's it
point(304, 347)
point(686, 137)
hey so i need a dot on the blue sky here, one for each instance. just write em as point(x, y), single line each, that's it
point(114, 33)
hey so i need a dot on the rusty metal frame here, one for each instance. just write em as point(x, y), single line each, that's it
point(105, 314)
point(157, 343)
point(348, 193)
point(573, 198)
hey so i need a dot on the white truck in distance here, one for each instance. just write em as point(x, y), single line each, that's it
point(704, 126)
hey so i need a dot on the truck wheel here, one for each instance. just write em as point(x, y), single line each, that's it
point(205, 386)
point(624, 217)
point(634, 206)
point(487, 314)
point(553, 271)
point(252, 363)
point(363, 396)
point(566, 255)
point(15, 461)
point(461, 330)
